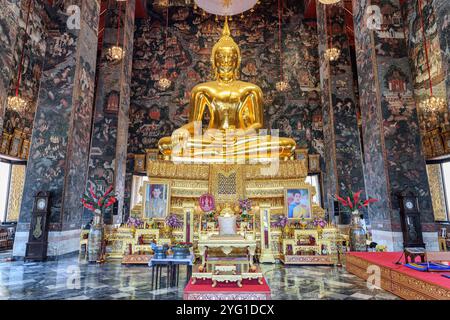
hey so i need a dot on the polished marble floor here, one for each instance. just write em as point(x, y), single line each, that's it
point(69, 278)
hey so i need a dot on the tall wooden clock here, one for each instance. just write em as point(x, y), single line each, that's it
point(38, 237)
point(410, 219)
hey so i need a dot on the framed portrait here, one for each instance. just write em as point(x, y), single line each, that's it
point(156, 200)
point(314, 163)
point(298, 203)
point(139, 163)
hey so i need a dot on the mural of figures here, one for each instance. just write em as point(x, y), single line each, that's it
point(436, 28)
point(59, 150)
point(155, 113)
point(390, 123)
point(344, 165)
point(33, 44)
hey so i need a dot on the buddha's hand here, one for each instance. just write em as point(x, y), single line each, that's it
point(180, 136)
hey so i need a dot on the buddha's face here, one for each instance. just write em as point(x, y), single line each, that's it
point(226, 63)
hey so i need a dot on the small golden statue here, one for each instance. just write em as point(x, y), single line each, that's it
point(236, 115)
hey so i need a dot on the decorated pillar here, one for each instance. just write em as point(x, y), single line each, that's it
point(109, 140)
point(392, 144)
point(343, 157)
point(59, 151)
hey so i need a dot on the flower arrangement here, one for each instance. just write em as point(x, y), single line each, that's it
point(282, 221)
point(135, 222)
point(245, 204)
point(211, 216)
point(96, 202)
point(183, 245)
point(173, 221)
point(353, 201)
point(380, 248)
point(319, 222)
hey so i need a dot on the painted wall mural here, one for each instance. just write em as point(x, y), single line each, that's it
point(432, 122)
point(110, 132)
point(60, 141)
point(344, 165)
point(155, 113)
point(12, 32)
point(393, 156)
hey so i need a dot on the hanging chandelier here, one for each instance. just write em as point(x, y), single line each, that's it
point(431, 103)
point(225, 7)
point(332, 54)
point(15, 102)
point(164, 83)
point(115, 52)
point(281, 85)
point(329, 1)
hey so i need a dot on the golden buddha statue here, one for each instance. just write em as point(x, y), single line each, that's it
point(236, 117)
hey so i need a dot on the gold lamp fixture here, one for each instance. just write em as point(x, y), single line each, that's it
point(332, 54)
point(115, 52)
point(431, 103)
point(16, 102)
point(164, 83)
point(281, 85)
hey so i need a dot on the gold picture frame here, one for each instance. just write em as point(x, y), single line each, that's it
point(294, 206)
point(314, 163)
point(139, 163)
point(163, 207)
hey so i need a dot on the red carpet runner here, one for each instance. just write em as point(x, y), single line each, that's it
point(398, 279)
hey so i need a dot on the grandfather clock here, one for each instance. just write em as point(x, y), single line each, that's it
point(410, 219)
point(38, 237)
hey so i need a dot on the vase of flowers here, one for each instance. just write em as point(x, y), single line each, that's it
point(181, 250)
point(353, 203)
point(97, 203)
point(245, 205)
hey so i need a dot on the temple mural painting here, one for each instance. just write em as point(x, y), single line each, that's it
point(391, 133)
point(344, 165)
point(155, 113)
point(33, 44)
point(433, 18)
point(110, 132)
point(59, 150)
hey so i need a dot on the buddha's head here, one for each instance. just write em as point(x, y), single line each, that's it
point(226, 57)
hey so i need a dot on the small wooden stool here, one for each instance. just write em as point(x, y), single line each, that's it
point(412, 253)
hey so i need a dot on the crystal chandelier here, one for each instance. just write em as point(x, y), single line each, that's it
point(115, 53)
point(329, 1)
point(16, 103)
point(433, 104)
point(164, 83)
point(332, 54)
point(282, 86)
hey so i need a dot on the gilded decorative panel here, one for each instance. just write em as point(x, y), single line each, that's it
point(15, 192)
point(437, 192)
